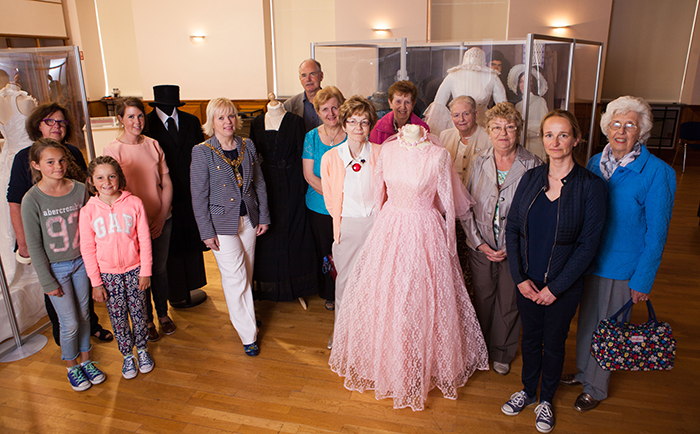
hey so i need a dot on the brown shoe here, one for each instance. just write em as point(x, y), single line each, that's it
point(153, 335)
point(569, 380)
point(168, 327)
point(585, 402)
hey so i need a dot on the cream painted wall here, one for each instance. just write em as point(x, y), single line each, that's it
point(32, 18)
point(119, 47)
point(648, 47)
point(296, 25)
point(231, 63)
point(588, 19)
point(406, 19)
point(469, 20)
point(82, 25)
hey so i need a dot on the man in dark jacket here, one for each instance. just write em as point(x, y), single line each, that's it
point(178, 132)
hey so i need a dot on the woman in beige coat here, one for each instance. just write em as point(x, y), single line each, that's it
point(494, 177)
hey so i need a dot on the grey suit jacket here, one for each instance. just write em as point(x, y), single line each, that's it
point(295, 104)
point(216, 198)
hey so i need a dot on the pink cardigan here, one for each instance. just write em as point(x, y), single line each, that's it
point(115, 239)
point(332, 180)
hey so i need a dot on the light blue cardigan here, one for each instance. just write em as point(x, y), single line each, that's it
point(640, 202)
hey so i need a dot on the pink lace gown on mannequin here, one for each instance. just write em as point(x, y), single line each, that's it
point(407, 324)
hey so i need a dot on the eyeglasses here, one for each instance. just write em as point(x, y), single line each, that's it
point(62, 123)
point(628, 126)
point(352, 122)
point(508, 129)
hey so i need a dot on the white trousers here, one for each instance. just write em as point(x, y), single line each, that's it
point(235, 261)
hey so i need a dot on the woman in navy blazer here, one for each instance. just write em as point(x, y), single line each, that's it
point(229, 200)
point(553, 232)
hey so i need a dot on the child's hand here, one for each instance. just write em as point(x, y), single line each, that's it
point(58, 292)
point(99, 294)
point(144, 282)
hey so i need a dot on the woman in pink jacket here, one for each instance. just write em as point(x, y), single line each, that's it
point(347, 180)
point(115, 242)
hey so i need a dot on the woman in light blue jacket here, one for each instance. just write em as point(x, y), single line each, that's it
point(641, 189)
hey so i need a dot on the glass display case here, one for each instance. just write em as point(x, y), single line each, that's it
point(560, 73)
point(50, 74)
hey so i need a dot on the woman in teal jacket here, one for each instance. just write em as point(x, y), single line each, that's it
point(641, 189)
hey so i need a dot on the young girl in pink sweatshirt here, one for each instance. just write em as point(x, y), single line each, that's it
point(115, 242)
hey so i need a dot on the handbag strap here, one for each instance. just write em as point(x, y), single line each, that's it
point(652, 314)
point(628, 307)
point(624, 309)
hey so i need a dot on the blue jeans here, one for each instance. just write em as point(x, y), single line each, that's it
point(72, 307)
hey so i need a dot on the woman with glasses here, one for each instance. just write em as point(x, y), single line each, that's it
point(347, 179)
point(48, 121)
point(494, 178)
point(641, 189)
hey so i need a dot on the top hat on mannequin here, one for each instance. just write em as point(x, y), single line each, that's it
point(166, 95)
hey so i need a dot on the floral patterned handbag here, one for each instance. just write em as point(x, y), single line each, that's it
point(621, 346)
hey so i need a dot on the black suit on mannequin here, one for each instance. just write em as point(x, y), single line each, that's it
point(185, 260)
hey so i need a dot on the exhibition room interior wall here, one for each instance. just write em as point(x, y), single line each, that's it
point(650, 50)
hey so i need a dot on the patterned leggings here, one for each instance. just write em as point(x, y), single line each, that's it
point(123, 299)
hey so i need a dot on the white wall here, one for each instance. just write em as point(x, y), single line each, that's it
point(119, 47)
point(32, 18)
point(648, 47)
point(469, 20)
point(296, 25)
point(230, 63)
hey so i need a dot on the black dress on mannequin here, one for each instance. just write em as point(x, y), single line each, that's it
point(285, 262)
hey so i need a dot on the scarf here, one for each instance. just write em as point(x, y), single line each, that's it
point(608, 162)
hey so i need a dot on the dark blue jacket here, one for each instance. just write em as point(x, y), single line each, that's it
point(580, 220)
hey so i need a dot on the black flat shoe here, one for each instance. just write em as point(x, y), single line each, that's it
point(104, 335)
point(585, 402)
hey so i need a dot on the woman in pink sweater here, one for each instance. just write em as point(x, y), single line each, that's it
point(115, 242)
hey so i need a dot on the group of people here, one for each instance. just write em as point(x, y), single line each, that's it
point(393, 221)
point(533, 240)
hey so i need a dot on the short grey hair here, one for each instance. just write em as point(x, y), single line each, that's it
point(464, 99)
point(626, 104)
point(318, 64)
point(215, 105)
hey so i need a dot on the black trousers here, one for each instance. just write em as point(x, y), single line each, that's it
point(545, 329)
point(322, 229)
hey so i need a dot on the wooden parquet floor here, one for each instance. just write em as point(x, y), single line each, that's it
point(203, 382)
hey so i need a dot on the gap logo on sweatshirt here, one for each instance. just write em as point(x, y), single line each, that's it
point(114, 225)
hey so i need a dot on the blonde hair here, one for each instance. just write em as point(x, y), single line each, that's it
point(326, 94)
point(214, 106)
point(507, 111)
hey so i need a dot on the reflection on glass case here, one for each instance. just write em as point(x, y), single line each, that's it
point(51, 74)
point(559, 73)
point(31, 76)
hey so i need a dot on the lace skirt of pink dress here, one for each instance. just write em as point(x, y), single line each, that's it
point(407, 324)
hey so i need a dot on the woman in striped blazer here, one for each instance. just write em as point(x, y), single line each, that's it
point(229, 200)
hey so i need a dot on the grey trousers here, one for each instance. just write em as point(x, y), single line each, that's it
point(602, 297)
point(496, 306)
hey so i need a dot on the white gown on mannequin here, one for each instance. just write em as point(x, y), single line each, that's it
point(27, 295)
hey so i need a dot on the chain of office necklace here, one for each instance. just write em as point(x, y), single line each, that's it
point(234, 164)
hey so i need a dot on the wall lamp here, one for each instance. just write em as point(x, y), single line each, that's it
point(197, 39)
